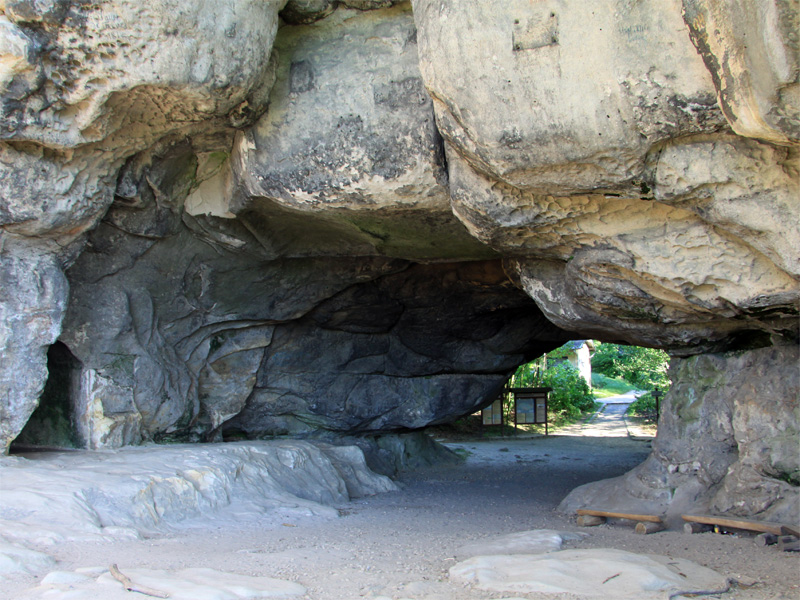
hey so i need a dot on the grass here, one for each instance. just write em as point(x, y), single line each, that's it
point(604, 387)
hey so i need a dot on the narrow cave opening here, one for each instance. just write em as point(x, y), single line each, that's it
point(52, 424)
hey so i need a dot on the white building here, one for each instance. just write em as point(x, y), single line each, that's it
point(579, 356)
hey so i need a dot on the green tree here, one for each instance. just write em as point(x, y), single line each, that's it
point(571, 395)
point(530, 374)
point(646, 368)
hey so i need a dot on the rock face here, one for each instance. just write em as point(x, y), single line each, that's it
point(138, 491)
point(306, 343)
point(752, 51)
point(572, 120)
point(727, 443)
point(623, 212)
point(84, 86)
point(259, 218)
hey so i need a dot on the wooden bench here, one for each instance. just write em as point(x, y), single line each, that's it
point(769, 532)
point(588, 517)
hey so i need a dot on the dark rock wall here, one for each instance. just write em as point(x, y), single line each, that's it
point(202, 330)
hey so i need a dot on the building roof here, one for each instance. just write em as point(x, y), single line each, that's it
point(577, 344)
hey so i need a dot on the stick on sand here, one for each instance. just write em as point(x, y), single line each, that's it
point(132, 587)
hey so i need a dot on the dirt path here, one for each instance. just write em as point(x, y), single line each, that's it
point(401, 544)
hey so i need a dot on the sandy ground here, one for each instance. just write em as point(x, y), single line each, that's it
point(401, 544)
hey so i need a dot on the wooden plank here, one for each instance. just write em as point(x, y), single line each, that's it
point(736, 523)
point(619, 515)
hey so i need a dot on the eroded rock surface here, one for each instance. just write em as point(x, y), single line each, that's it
point(597, 176)
point(306, 343)
point(538, 541)
point(129, 492)
point(184, 584)
point(84, 86)
point(752, 51)
point(286, 216)
point(727, 443)
point(585, 95)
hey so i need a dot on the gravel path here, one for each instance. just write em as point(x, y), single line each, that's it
point(401, 544)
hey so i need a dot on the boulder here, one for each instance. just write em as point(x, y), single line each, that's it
point(638, 269)
point(609, 179)
point(122, 69)
point(350, 142)
point(726, 444)
point(552, 98)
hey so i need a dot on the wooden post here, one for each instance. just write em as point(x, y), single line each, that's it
point(546, 416)
point(644, 527)
point(656, 393)
point(590, 521)
point(696, 527)
point(765, 539)
point(789, 543)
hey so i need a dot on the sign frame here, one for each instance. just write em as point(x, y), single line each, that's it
point(534, 401)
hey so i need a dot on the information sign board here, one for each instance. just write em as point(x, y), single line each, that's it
point(493, 414)
point(530, 406)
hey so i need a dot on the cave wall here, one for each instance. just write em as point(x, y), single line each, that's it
point(188, 336)
point(252, 218)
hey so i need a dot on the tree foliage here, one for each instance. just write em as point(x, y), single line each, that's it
point(571, 394)
point(644, 406)
point(646, 368)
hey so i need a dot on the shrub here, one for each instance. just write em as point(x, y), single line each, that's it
point(571, 395)
point(644, 406)
point(645, 368)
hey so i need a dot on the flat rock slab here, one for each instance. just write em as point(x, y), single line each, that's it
point(16, 559)
point(600, 573)
point(52, 497)
point(537, 541)
point(187, 584)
